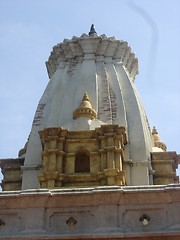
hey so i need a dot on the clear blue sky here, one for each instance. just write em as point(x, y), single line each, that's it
point(29, 29)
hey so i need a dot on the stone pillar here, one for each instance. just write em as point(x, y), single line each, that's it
point(110, 149)
point(49, 174)
point(118, 153)
point(11, 170)
point(69, 163)
point(115, 140)
point(102, 152)
point(52, 160)
point(111, 170)
point(164, 164)
point(60, 154)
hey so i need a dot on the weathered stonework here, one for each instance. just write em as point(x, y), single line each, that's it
point(65, 151)
point(146, 213)
point(164, 165)
point(12, 175)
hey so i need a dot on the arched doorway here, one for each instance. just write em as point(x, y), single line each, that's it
point(82, 162)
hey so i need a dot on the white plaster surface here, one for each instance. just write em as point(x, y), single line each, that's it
point(101, 67)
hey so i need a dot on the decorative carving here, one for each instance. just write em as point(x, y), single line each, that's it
point(145, 219)
point(77, 47)
point(71, 222)
point(104, 148)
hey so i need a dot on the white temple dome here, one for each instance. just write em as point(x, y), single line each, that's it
point(105, 68)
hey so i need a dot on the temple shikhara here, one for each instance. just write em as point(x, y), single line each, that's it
point(92, 168)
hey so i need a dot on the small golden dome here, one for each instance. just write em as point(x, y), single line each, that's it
point(85, 102)
point(85, 109)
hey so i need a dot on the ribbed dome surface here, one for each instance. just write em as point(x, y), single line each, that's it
point(105, 68)
point(71, 52)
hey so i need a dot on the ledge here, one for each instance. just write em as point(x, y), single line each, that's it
point(125, 189)
point(166, 235)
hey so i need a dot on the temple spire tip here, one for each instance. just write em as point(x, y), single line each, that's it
point(92, 30)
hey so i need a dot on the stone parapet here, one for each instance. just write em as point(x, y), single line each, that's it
point(144, 212)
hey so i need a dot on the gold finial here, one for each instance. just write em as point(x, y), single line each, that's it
point(157, 141)
point(85, 97)
point(85, 109)
point(154, 131)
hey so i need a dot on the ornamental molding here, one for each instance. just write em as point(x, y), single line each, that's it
point(98, 47)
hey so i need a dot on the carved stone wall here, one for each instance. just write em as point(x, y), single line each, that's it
point(103, 146)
